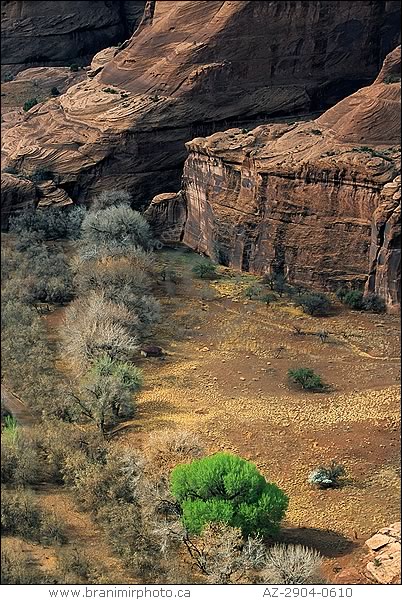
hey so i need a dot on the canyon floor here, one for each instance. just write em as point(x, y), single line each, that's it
point(224, 377)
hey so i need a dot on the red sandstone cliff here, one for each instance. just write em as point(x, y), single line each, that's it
point(57, 33)
point(193, 68)
point(319, 201)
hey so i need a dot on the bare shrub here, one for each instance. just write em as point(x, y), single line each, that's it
point(22, 516)
point(109, 198)
point(74, 567)
point(20, 463)
point(164, 450)
point(114, 480)
point(223, 555)
point(94, 327)
point(113, 274)
point(119, 224)
point(292, 565)
point(18, 569)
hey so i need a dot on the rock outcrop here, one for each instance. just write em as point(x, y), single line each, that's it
point(385, 547)
point(192, 68)
point(60, 33)
point(316, 201)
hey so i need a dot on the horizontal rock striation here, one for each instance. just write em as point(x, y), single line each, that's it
point(192, 68)
point(59, 33)
point(316, 201)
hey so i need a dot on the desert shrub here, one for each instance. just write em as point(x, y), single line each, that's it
point(204, 269)
point(116, 277)
point(276, 282)
point(253, 292)
point(392, 78)
point(73, 566)
point(67, 449)
point(74, 67)
point(40, 277)
point(107, 391)
point(292, 565)
point(22, 516)
point(18, 569)
point(327, 477)
point(317, 305)
point(352, 298)
point(138, 258)
point(29, 104)
point(94, 326)
point(374, 303)
point(49, 223)
point(8, 77)
point(51, 531)
point(9, 169)
point(228, 489)
point(20, 463)
point(54, 91)
point(268, 298)
point(111, 481)
point(306, 378)
point(119, 224)
point(224, 556)
point(109, 198)
point(164, 450)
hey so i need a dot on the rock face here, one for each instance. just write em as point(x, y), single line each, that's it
point(385, 547)
point(318, 202)
point(61, 33)
point(192, 68)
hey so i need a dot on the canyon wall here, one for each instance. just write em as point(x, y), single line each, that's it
point(317, 201)
point(59, 33)
point(192, 68)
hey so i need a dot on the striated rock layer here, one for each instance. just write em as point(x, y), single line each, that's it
point(316, 201)
point(192, 68)
point(60, 33)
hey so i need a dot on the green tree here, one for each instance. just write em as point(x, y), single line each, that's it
point(29, 104)
point(204, 269)
point(317, 305)
point(307, 379)
point(227, 489)
point(354, 299)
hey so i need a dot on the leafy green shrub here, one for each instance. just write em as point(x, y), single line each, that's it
point(317, 305)
point(374, 303)
point(353, 299)
point(306, 378)
point(8, 77)
point(226, 488)
point(204, 269)
point(29, 104)
point(110, 90)
point(327, 477)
